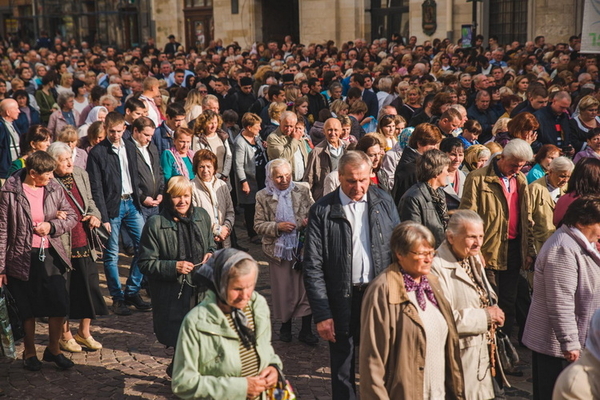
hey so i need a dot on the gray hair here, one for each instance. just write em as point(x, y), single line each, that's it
point(277, 163)
point(63, 97)
point(110, 98)
point(407, 235)
point(385, 84)
point(460, 218)
point(431, 164)
point(57, 149)
point(353, 158)
point(518, 149)
point(561, 164)
point(288, 115)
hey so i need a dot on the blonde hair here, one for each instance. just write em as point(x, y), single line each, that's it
point(68, 134)
point(178, 186)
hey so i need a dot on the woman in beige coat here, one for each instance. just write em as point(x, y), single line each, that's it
point(281, 215)
point(459, 267)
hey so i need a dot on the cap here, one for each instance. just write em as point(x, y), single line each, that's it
point(171, 37)
point(245, 81)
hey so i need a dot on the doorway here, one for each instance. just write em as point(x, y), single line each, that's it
point(280, 18)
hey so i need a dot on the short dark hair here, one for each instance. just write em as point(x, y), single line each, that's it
point(97, 92)
point(175, 110)
point(204, 155)
point(142, 122)
point(451, 143)
point(40, 162)
point(312, 82)
point(583, 211)
point(36, 133)
point(358, 78)
point(133, 104)
point(273, 90)
point(113, 118)
point(585, 179)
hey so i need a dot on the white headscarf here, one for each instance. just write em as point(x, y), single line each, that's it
point(286, 244)
point(93, 115)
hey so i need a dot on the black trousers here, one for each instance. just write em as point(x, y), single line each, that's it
point(342, 354)
point(249, 210)
point(545, 371)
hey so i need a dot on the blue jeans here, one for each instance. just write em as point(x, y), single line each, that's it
point(133, 221)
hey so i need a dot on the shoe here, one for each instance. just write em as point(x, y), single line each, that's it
point(32, 363)
point(90, 343)
point(120, 308)
point(60, 360)
point(170, 370)
point(285, 336)
point(138, 303)
point(513, 372)
point(256, 239)
point(308, 338)
point(69, 345)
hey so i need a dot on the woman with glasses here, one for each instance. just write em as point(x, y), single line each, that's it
point(409, 346)
point(281, 216)
point(425, 201)
point(34, 213)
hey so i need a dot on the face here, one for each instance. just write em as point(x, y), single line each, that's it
point(279, 98)
point(375, 154)
point(240, 289)
point(548, 159)
point(346, 131)
point(468, 242)
point(332, 130)
point(42, 146)
point(41, 179)
point(144, 136)
point(287, 126)
point(558, 178)
point(182, 203)
point(389, 130)
point(302, 109)
point(538, 102)
point(182, 143)
point(64, 165)
point(560, 106)
point(523, 85)
point(509, 166)
point(457, 156)
point(22, 101)
point(417, 262)
point(355, 180)
point(413, 97)
point(481, 162)
point(206, 170)
point(115, 133)
point(11, 111)
point(282, 177)
point(465, 81)
point(483, 103)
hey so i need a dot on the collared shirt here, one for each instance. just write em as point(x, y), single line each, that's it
point(126, 185)
point(153, 112)
point(336, 151)
point(145, 153)
point(299, 165)
point(554, 191)
point(358, 216)
point(14, 140)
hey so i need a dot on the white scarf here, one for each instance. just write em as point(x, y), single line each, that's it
point(286, 244)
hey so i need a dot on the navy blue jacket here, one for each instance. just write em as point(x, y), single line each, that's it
point(162, 139)
point(547, 132)
point(370, 99)
point(22, 124)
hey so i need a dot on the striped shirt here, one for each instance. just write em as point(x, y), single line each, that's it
point(249, 357)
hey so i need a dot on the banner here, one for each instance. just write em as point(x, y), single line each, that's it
point(466, 34)
point(590, 36)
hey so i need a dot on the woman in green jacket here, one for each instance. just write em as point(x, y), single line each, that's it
point(224, 348)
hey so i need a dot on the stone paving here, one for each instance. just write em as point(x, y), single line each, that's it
point(132, 363)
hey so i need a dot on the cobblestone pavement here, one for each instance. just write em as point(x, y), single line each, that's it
point(132, 363)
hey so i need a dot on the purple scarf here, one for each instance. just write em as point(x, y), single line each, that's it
point(422, 289)
point(180, 167)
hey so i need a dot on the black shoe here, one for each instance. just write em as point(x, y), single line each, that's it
point(60, 360)
point(138, 303)
point(120, 308)
point(308, 338)
point(170, 370)
point(32, 363)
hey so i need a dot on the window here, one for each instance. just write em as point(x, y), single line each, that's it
point(508, 20)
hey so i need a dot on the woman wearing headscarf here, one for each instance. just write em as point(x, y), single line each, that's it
point(281, 215)
point(224, 347)
point(97, 113)
point(173, 243)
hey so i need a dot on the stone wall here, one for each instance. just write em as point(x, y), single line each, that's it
point(557, 21)
point(168, 18)
point(244, 27)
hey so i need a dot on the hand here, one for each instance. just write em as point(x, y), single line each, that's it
point(107, 226)
point(304, 222)
point(158, 200)
point(246, 188)
point(270, 375)
point(297, 135)
point(571, 356)
point(184, 267)
point(496, 314)
point(529, 264)
point(61, 214)
point(3, 280)
point(224, 178)
point(148, 202)
point(42, 229)
point(531, 137)
point(207, 256)
point(256, 385)
point(93, 221)
point(224, 232)
point(286, 227)
point(326, 330)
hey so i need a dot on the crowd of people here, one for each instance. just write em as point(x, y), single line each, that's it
point(413, 201)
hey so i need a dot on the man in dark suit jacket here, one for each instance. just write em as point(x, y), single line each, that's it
point(112, 166)
point(171, 47)
point(554, 124)
point(9, 137)
point(151, 178)
point(358, 81)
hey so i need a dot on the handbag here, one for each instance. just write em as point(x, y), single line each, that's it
point(14, 317)
point(7, 341)
point(283, 389)
point(506, 351)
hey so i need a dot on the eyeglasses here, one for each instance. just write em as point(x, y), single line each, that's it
point(202, 91)
point(424, 254)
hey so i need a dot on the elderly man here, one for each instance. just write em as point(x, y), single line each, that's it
point(9, 137)
point(347, 246)
point(286, 142)
point(500, 195)
point(554, 123)
point(325, 157)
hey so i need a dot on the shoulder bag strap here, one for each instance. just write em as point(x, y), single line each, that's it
point(81, 210)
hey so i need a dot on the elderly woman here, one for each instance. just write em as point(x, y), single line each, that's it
point(592, 148)
point(69, 136)
point(281, 216)
point(36, 139)
point(544, 193)
point(409, 346)
point(250, 162)
point(97, 113)
point(86, 300)
point(173, 243)
point(459, 267)
point(33, 260)
point(476, 157)
point(178, 160)
point(586, 120)
point(208, 135)
point(224, 348)
point(565, 294)
point(213, 195)
point(425, 201)
point(66, 115)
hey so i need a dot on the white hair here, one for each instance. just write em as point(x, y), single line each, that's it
point(561, 164)
point(57, 149)
point(460, 218)
point(518, 149)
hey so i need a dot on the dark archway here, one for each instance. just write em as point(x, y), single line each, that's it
point(387, 17)
point(280, 18)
